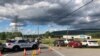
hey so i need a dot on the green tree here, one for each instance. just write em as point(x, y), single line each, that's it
point(17, 34)
point(2, 36)
point(47, 34)
point(11, 35)
point(95, 35)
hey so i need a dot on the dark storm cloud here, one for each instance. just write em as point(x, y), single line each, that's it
point(3, 2)
point(52, 11)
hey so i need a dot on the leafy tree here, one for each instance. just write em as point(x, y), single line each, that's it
point(95, 35)
point(17, 34)
point(47, 34)
point(2, 36)
point(9, 35)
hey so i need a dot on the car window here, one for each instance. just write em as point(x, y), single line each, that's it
point(11, 41)
point(92, 41)
point(22, 41)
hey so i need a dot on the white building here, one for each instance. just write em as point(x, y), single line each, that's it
point(76, 36)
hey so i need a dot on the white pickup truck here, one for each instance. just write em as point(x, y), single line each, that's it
point(19, 44)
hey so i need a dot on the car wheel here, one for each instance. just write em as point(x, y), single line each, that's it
point(4, 49)
point(68, 45)
point(16, 48)
point(65, 44)
point(87, 45)
point(35, 47)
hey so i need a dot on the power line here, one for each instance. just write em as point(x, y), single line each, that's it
point(79, 8)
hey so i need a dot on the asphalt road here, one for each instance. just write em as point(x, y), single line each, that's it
point(44, 52)
point(66, 51)
point(60, 51)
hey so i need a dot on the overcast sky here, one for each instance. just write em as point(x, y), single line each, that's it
point(56, 12)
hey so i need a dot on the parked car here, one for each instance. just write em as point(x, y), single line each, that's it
point(75, 44)
point(59, 43)
point(90, 43)
point(19, 44)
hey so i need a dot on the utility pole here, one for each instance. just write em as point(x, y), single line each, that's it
point(14, 24)
point(67, 31)
point(38, 31)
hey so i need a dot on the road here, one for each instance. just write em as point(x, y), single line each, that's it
point(67, 51)
point(44, 52)
point(60, 51)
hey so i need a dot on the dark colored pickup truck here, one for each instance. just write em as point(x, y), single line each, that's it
point(59, 43)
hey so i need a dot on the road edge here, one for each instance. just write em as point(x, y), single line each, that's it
point(54, 50)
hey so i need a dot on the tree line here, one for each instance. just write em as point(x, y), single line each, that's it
point(12, 35)
point(95, 35)
point(9, 35)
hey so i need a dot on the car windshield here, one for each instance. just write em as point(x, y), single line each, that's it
point(11, 41)
point(61, 40)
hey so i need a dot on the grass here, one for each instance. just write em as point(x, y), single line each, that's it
point(2, 41)
point(97, 40)
point(48, 41)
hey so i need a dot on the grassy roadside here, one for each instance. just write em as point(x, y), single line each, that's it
point(2, 41)
point(97, 40)
point(48, 41)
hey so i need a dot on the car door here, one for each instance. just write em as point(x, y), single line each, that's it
point(23, 43)
point(29, 44)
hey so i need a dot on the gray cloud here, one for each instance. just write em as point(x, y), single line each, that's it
point(53, 11)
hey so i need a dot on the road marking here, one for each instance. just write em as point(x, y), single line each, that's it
point(55, 50)
point(58, 52)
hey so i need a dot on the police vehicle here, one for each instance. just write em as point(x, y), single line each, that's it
point(19, 44)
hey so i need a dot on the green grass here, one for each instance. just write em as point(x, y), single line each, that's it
point(2, 41)
point(97, 40)
point(48, 41)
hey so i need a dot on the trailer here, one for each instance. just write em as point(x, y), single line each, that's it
point(77, 36)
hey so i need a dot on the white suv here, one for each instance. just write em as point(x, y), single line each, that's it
point(18, 44)
point(90, 43)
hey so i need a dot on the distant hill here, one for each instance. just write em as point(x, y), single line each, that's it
point(75, 32)
point(91, 29)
